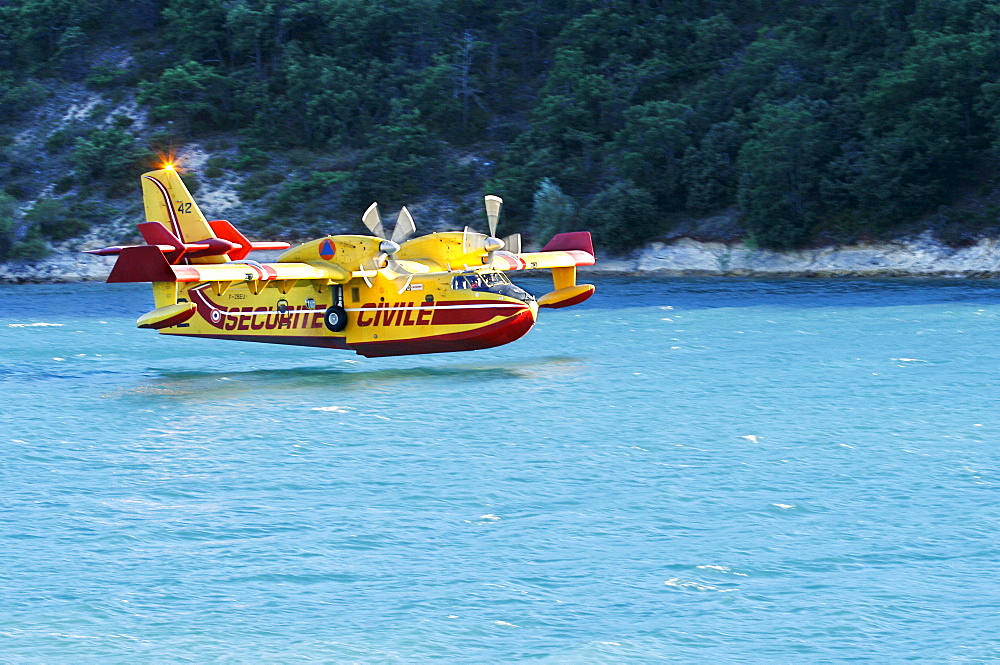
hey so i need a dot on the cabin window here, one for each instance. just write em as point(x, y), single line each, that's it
point(495, 278)
point(459, 282)
point(355, 294)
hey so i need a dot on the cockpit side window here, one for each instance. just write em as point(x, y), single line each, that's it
point(479, 281)
point(495, 278)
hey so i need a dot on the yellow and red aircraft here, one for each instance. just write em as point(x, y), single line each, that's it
point(377, 295)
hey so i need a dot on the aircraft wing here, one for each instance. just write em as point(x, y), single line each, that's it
point(147, 264)
point(565, 250)
point(539, 260)
point(562, 255)
point(220, 272)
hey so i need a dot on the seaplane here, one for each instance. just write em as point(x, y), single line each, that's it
point(379, 294)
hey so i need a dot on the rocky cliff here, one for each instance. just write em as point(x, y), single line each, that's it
point(916, 257)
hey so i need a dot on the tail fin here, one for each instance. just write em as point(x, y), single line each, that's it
point(168, 202)
point(176, 232)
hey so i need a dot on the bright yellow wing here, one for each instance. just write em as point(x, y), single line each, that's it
point(253, 271)
point(541, 260)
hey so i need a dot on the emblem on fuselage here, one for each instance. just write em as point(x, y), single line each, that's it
point(328, 249)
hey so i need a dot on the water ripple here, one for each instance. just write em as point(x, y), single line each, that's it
point(692, 470)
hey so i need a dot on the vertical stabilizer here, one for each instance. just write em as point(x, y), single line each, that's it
point(168, 202)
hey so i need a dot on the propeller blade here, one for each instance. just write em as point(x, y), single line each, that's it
point(406, 282)
point(373, 221)
point(513, 243)
point(398, 269)
point(472, 242)
point(493, 204)
point(404, 226)
point(467, 241)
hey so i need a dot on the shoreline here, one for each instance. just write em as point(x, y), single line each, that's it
point(914, 257)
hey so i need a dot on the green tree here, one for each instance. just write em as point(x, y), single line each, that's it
point(651, 146)
point(716, 39)
point(110, 155)
point(449, 93)
point(553, 211)
point(325, 102)
point(17, 98)
point(622, 216)
point(709, 170)
point(54, 220)
point(8, 224)
point(405, 160)
point(191, 94)
point(780, 174)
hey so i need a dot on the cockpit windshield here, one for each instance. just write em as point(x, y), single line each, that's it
point(494, 282)
point(495, 278)
point(478, 281)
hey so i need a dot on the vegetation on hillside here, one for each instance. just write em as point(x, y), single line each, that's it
point(818, 122)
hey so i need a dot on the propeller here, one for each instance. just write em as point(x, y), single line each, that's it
point(513, 243)
point(477, 242)
point(493, 204)
point(373, 221)
point(401, 232)
point(404, 227)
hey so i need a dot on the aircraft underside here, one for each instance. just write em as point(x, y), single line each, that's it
point(404, 326)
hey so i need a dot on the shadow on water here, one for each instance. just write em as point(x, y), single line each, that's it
point(216, 384)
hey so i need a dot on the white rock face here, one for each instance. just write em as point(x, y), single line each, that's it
point(917, 257)
point(66, 267)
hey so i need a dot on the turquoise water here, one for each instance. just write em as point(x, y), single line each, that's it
point(690, 470)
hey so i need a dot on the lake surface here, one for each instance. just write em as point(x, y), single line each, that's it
point(690, 470)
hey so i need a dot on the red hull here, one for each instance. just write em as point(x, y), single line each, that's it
point(497, 334)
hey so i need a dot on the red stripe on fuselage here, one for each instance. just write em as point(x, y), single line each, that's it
point(461, 312)
point(453, 316)
point(496, 334)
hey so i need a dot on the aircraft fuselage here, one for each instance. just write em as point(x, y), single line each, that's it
point(391, 316)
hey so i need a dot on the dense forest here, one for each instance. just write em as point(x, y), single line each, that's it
point(806, 122)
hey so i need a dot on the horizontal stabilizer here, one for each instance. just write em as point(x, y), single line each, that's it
point(155, 233)
point(116, 250)
point(145, 263)
point(242, 246)
point(229, 243)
